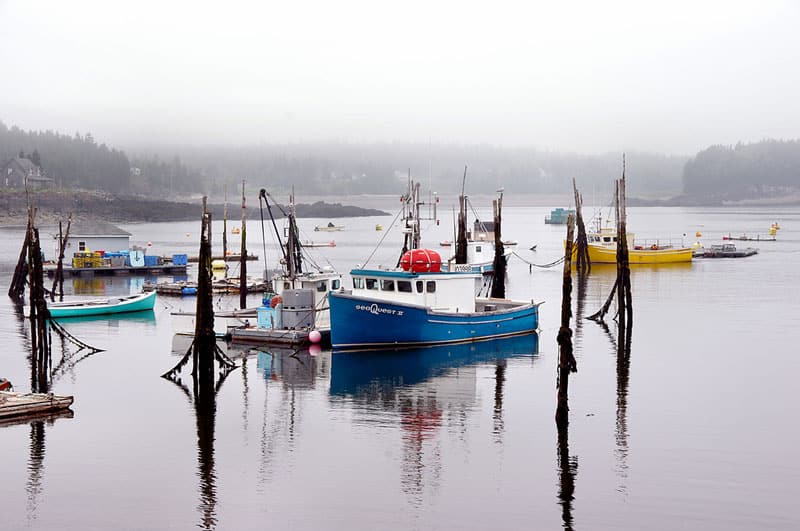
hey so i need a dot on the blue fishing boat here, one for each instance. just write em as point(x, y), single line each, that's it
point(419, 303)
point(109, 305)
point(558, 216)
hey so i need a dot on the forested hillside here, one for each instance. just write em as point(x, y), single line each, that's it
point(770, 168)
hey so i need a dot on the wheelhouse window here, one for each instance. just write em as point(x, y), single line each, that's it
point(404, 286)
point(430, 286)
point(477, 248)
point(607, 239)
point(372, 283)
point(358, 283)
point(322, 286)
point(287, 285)
point(420, 285)
point(81, 246)
point(387, 285)
point(335, 284)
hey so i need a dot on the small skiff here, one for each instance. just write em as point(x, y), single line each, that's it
point(13, 404)
point(129, 303)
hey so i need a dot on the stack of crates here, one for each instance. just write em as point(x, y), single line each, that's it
point(95, 259)
point(150, 261)
point(79, 260)
point(180, 259)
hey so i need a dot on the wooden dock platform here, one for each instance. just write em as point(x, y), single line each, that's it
point(165, 269)
point(25, 404)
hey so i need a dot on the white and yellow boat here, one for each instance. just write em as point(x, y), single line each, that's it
point(603, 250)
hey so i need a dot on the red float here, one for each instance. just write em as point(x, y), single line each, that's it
point(421, 261)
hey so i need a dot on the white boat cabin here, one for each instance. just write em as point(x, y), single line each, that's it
point(447, 292)
point(607, 238)
point(320, 283)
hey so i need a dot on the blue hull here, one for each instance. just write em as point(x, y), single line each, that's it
point(358, 323)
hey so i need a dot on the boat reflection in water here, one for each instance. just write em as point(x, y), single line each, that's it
point(376, 372)
point(423, 391)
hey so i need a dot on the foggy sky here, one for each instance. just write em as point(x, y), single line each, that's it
point(592, 76)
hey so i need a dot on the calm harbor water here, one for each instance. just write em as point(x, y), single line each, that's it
point(700, 433)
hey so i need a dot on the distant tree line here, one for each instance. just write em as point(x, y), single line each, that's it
point(79, 162)
point(764, 169)
point(72, 161)
point(381, 168)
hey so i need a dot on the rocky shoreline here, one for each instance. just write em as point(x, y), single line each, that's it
point(56, 205)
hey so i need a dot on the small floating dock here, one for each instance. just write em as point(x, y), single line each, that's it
point(726, 250)
point(27, 404)
point(275, 336)
point(164, 269)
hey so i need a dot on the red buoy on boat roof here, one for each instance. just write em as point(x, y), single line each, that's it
point(421, 261)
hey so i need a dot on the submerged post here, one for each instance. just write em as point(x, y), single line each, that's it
point(243, 257)
point(566, 362)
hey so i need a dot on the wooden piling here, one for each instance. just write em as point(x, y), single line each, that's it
point(499, 275)
point(243, 262)
point(204, 338)
point(58, 278)
point(582, 263)
point(17, 288)
point(566, 363)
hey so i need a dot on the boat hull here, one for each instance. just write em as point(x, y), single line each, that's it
point(108, 306)
point(608, 255)
point(358, 323)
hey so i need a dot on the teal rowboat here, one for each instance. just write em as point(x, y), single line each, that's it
point(129, 303)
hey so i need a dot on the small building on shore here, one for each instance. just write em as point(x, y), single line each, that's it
point(18, 170)
point(85, 236)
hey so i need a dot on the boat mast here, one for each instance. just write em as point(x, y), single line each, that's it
point(293, 251)
point(243, 256)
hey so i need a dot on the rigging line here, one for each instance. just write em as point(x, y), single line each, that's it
point(384, 236)
point(542, 266)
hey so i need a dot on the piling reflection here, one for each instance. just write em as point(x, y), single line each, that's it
point(568, 470)
point(421, 390)
point(206, 383)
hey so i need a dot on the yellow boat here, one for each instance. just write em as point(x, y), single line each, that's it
point(603, 250)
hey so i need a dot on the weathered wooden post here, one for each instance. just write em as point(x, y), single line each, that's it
point(582, 262)
point(624, 297)
point(204, 338)
point(225, 224)
point(566, 363)
point(499, 276)
point(58, 278)
point(17, 288)
point(243, 257)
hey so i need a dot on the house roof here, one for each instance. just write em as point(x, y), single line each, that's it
point(25, 164)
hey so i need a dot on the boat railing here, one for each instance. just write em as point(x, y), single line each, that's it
point(658, 243)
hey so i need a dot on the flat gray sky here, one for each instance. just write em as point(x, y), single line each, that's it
point(590, 76)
